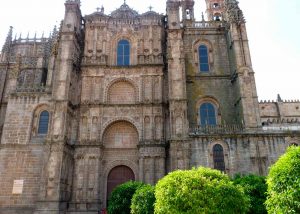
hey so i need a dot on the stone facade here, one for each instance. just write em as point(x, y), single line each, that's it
point(75, 121)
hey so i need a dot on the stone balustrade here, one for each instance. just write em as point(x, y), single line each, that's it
point(31, 89)
point(216, 129)
point(207, 24)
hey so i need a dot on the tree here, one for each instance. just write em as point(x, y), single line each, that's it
point(255, 188)
point(284, 183)
point(199, 190)
point(120, 199)
point(143, 200)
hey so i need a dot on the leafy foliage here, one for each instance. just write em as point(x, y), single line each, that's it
point(284, 184)
point(198, 191)
point(120, 199)
point(255, 188)
point(143, 200)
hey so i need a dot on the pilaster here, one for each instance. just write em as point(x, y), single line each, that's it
point(59, 170)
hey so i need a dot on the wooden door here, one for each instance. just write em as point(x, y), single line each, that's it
point(117, 176)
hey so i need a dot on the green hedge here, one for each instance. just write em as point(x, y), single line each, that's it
point(284, 184)
point(199, 191)
point(120, 199)
point(143, 200)
point(255, 188)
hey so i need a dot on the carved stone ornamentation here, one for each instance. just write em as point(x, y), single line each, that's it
point(233, 12)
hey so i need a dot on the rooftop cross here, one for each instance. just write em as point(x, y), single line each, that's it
point(150, 8)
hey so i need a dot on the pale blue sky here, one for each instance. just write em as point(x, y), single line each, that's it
point(273, 32)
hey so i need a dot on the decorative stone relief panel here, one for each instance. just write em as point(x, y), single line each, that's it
point(148, 89)
point(121, 134)
point(66, 177)
point(178, 126)
point(92, 173)
point(158, 128)
point(157, 89)
point(121, 92)
point(79, 177)
point(86, 88)
point(84, 128)
point(147, 128)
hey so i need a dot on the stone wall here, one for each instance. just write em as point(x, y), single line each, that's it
point(288, 111)
point(20, 126)
point(244, 154)
point(214, 86)
point(21, 162)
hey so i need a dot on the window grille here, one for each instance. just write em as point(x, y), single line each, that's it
point(207, 114)
point(43, 123)
point(203, 59)
point(218, 155)
point(123, 53)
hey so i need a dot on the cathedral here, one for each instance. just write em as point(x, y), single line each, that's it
point(123, 96)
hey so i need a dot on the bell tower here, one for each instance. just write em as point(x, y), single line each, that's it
point(188, 10)
point(214, 9)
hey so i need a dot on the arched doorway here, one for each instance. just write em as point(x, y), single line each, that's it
point(117, 176)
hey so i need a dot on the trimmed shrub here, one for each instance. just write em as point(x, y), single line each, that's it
point(143, 200)
point(120, 199)
point(284, 183)
point(198, 191)
point(255, 188)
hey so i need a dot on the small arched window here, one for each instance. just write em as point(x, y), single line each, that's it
point(43, 122)
point(208, 114)
point(123, 53)
point(217, 17)
point(203, 58)
point(218, 156)
point(216, 5)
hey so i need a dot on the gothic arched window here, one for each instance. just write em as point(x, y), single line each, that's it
point(43, 122)
point(208, 114)
point(203, 58)
point(218, 156)
point(123, 53)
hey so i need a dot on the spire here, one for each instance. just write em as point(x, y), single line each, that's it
point(233, 12)
point(100, 9)
point(27, 38)
point(279, 98)
point(73, 1)
point(6, 46)
point(54, 32)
